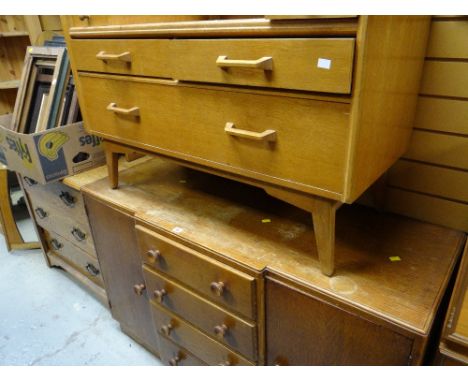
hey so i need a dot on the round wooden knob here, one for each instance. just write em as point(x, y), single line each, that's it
point(84, 17)
point(224, 363)
point(174, 361)
point(217, 287)
point(220, 331)
point(139, 289)
point(153, 255)
point(159, 295)
point(166, 329)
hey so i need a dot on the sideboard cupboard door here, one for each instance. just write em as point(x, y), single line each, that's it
point(116, 245)
point(302, 330)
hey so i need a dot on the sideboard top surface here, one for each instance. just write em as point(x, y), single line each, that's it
point(390, 266)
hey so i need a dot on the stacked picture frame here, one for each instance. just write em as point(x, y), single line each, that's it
point(47, 96)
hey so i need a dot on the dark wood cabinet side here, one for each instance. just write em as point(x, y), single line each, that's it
point(116, 246)
point(302, 330)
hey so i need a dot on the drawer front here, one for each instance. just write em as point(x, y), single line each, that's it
point(60, 197)
point(321, 65)
point(295, 142)
point(196, 342)
point(214, 280)
point(173, 355)
point(234, 332)
point(64, 224)
point(79, 259)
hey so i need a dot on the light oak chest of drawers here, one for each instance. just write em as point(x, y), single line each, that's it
point(313, 111)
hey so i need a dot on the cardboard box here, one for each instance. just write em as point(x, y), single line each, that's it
point(49, 155)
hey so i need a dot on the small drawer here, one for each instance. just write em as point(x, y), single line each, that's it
point(196, 342)
point(312, 64)
point(227, 328)
point(59, 196)
point(214, 280)
point(79, 259)
point(173, 355)
point(58, 220)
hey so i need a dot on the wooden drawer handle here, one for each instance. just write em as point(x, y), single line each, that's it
point(139, 289)
point(92, 270)
point(174, 361)
point(220, 331)
point(153, 255)
point(84, 17)
point(67, 198)
point(133, 111)
point(41, 213)
point(267, 135)
point(167, 329)
point(56, 245)
point(264, 63)
point(78, 234)
point(217, 287)
point(159, 295)
point(29, 181)
point(123, 57)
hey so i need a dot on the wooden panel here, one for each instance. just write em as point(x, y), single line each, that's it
point(121, 269)
point(302, 330)
point(12, 23)
point(82, 261)
point(7, 101)
point(428, 208)
point(441, 149)
point(390, 53)
point(50, 23)
point(175, 259)
point(240, 334)
point(438, 181)
point(445, 79)
point(440, 114)
point(448, 39)
point(248, 27)
point(190, 338)
point(456, 322)
point(294, 62)
point(174, 355)
point(308, 154)
point(12, 52)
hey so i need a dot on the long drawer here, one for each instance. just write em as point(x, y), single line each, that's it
point(296, 142)
point(196, 342)
point(214, 280)
point(173, 355)
point(313, 64)
point(80, 260)
point(63, 223)
point(227, 328)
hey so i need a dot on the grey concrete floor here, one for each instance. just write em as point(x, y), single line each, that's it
point(48, 319)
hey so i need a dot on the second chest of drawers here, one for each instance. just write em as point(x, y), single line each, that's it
point(62, 224)
point(206, 307)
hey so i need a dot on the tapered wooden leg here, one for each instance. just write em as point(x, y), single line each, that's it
point(323, 216)
point(112, 160)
